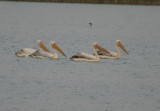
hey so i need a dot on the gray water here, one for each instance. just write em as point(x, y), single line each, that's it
point(131, 83)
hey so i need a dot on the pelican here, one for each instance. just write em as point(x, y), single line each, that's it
point(47, 54)
point(25, 52)
point(80, 56)
point(111, 54)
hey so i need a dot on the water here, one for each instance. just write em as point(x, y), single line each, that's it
point(131, 83)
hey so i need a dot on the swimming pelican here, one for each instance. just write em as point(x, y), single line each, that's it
point(80, 56)
point(47, 54)
point(25, 52)
point(111, 54)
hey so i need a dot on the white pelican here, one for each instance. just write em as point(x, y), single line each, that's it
point(25, 52)
point(47, 54)
point(80, 56)
point(111, 54)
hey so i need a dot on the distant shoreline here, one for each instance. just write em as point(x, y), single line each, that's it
point(129, 2)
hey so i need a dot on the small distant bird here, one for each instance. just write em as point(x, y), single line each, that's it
point(90, 24)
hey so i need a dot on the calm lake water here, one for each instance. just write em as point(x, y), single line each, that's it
point(131, 83)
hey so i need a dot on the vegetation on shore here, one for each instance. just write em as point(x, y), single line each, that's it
point(133, 2)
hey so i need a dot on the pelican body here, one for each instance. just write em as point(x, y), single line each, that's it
point(80, 56)
point(111, 54)
point(25, 52)
point(47, 54)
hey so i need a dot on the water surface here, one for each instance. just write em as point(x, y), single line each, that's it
point(131, 83)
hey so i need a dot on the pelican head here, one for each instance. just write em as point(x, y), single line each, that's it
point(97, 46)
point(40, 45)
point(54, 45)
point(119, 44)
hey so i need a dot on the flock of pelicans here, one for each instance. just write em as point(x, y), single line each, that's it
point(43, 52)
